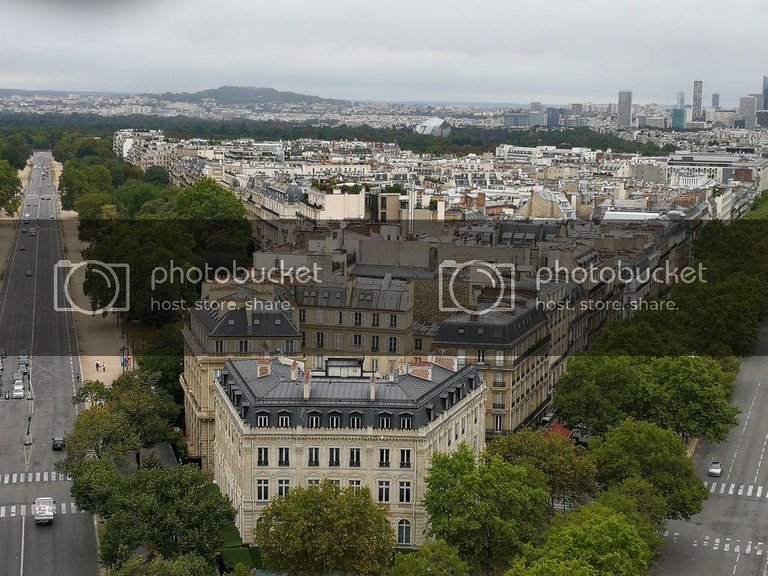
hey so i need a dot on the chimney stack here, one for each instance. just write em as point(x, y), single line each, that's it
point(307, 384)
point(294, 371)
point(372, 387)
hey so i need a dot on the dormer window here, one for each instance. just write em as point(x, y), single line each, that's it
point(313, 420)
point(385, 421)
point(406, 422)
point(262, 421)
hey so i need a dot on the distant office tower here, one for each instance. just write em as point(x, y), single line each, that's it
point(681, 99)
point(715, 100)
point(577, 108)
point(625, 108)
point(765, 92)
point(553, 117)
point(678, 119)
point(536, 107)
point(698, 88)
point(748, 111)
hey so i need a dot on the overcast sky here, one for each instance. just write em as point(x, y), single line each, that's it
point(559, 51)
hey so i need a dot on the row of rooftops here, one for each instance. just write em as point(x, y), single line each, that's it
point(273, 387)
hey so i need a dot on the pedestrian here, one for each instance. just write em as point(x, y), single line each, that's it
point(78, 376)
point(103, 366)
point(98, 364)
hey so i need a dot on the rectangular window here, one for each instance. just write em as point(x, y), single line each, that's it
point(303, 339)
point(393, 320)
point(262, 456)
point(262, 490)
point(320, 316)
point(219, 346)
point(383, 457)
point(320, 340)
point(242, 346)
point(302, 315)
point(339, 341)
point(392, 345)
point(418, 344)
point(339, 318)
point(284, 485)
point(334, 421)
point(284, 421)
point(335, 482)
point(383, 490)
point(354, 457)
point(357, 341)
point(499, 358)
point(406, 423)
point(355, 485)
point(374, 343)
point(405, 492)
point(313, 421)
point(405, 458)
point(358, 318)
point(385, 422)
point(314, 457)
point(498, 422)
point(375, 362)
point(481, 356)
point(355, 421)
point(313, 482)
point(284, 458)
point(262, 421)
point(334, 458)
point(375, 320)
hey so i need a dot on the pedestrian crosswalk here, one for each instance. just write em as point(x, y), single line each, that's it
point(735, 546)
point(734, 489)
point(19, 510)
point(29, 477)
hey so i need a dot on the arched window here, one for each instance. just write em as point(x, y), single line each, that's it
point(404, 532)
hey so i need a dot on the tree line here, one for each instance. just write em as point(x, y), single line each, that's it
point(46, 130)
point(137, 219)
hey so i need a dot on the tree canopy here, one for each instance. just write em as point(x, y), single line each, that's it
point(323, 530)
point(433, 557)
point(509, 507)
point(642, 449)
point(10, 188)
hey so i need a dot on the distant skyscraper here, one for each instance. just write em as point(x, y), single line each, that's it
point(536, 107)
point(748, 111)
point(698, 88)
point(678, 119)
point(681, 99)
point(715, 100)
point(765, 92)
point(625, 108)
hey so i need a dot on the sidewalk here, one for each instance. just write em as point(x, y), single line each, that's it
point(8, 229)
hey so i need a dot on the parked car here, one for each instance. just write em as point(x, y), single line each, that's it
point(2, 353)
point(57, 443)
point(18, 393)
point(715, 469)
point(23, 356)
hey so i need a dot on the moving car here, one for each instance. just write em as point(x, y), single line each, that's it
point(18, 393)
point(715, 469)
point(57, 443)
point(29, 273)
point(44, 510)
point(23, 356)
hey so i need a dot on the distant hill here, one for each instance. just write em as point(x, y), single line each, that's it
point(8, 92)
point(242, 95)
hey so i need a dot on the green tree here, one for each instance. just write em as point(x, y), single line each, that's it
point(323, 530)
point(598, 536)
point(642, 449)
point(170, 511)
point(157, 175)
point(545, 566)
point(16, 151)
point(570, 474)
point(509, 507)
point(164, 355)
point(434, 557)
point(10, 188)
point(99, 431)
point(94, 482)
point(640, 502)
point(134, 194)
point(185, 565)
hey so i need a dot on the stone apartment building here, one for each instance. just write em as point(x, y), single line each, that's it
point(277, 427)
point(232, 324)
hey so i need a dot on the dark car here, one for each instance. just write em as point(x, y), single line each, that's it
point(2, 353)
point(57, 443)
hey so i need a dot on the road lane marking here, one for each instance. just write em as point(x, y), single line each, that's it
point(29, 477)
point(13, 511)
point(63, 508)
point(744, 428)
point(731, 489)
point(72, 508)
point(759, 491)
point(5, 479)
point(748, 549)
point(722, 488)
point(45, 476)
point(2, 511)
point(716, 545)
point(37, 477)
point(14, 478)
point(714, 486)
point(23, 531)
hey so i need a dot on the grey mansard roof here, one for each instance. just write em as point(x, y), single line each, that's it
point(493, 329)
point(274, 394)
point(242, 323)
point(365, 294)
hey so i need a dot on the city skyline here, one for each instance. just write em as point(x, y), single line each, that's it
point(429, 53)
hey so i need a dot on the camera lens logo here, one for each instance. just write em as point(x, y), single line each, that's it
point(113, 280)
point(477, 275)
